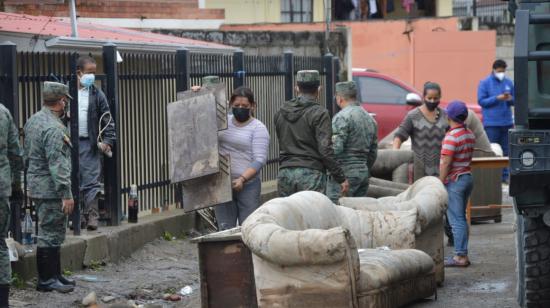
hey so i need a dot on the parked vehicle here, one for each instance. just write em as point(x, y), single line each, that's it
point(389, 99)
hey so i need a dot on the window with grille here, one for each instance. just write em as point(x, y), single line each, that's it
point(297, 10)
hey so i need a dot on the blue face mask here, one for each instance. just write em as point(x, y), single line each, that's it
point(87, 80)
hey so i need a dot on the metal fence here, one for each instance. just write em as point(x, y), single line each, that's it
point(138, 90)
point(488, 12)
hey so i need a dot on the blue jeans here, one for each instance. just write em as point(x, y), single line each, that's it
point(244, 203)
point(499, 134)
point(459, 192)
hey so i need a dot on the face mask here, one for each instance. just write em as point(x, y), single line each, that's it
point(500, 76)
point(431, 105)
point(241, 114)
point(87, 80)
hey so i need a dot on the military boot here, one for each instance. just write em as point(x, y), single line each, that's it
point(62, 279)
point(47, 264)
point(4, 295)
point(93, 214)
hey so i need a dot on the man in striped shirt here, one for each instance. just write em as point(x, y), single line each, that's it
point(455, 172)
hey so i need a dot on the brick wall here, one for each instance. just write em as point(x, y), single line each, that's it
point(157, 9)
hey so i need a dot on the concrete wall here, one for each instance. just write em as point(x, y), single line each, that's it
point(257, 11)
point(505, 51)
point(270, 43)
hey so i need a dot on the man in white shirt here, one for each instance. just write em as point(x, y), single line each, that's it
point(92, 108)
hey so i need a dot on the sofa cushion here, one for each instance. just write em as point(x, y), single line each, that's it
point(382, 268)
point(427, 195)
point(370, 229)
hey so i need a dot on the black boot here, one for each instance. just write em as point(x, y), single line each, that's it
point(60, 276)
point(47, 263)
point(4, 295)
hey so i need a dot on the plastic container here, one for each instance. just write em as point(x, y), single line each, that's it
point(133, 204)
point(27, 228)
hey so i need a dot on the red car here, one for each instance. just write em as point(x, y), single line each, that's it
point(389, 99)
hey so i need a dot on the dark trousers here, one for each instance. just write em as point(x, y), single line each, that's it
point(499, 134)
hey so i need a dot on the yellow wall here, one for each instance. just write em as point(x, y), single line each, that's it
point(257, 11)
point(444, 8)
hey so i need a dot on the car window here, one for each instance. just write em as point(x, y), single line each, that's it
point(376, 90)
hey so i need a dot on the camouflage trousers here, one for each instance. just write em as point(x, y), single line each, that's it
point(52, 222)
point(5, 265)
point(294, 179)
point(358, 178)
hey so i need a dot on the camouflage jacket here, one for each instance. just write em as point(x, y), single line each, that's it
point(354, 136)
point(11, 164)
point(48, 156)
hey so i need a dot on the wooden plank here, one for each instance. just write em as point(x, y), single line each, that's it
point(193, 136)
point(209, 190)
point(227, 275)
point(489, 162)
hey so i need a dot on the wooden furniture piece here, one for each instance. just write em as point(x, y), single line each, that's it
point(226, 271)
point(486, 163)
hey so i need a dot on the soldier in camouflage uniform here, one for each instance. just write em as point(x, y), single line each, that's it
point(305, 148)
point(355, 142)
point(11, 166)
point(48, 156)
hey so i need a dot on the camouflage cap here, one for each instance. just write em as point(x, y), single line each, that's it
point(308, 76)
point(210, 80)
point(346, 88)
point(53, 91)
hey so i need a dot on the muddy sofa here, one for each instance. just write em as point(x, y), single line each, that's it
point(308, 252)
point(429, 197)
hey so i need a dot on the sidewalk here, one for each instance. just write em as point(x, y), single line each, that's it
point(111, 244)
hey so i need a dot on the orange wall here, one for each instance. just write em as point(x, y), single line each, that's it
point(458, 61)
point(384, 46)
point(434, 50)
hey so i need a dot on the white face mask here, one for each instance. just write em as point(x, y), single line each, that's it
point(500, 75)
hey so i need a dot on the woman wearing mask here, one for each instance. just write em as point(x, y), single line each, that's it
point(246, 141)
point(426, 126)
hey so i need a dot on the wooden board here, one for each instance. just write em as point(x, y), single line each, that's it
point(209, 190)
point(226, 274)
point(221, 102)
point(192, 137)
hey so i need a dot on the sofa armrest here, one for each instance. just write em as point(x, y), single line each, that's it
point(268, 240)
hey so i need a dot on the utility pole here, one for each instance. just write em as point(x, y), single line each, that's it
point(328, 16)
point(74, 32)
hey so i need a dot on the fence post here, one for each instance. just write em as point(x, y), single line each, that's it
point(73, 126)
point(289, 74)
point(182, 84)
point(328, 65)
point(8, 97)
point(112, 172)
point(336, 65)
point(238, 69)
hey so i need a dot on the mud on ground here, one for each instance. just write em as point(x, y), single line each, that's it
point(158, 268)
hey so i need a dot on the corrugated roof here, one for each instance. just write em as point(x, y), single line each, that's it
point(54, 27)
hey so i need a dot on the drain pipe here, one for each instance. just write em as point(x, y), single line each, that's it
point(74, 32)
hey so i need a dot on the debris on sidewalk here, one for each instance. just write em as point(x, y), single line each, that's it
point(187, 290)
point(108, 299)
point(90, 299)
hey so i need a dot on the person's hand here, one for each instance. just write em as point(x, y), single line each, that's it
point(345, 188)
point(237, 184)
point(68, 206)
point(105, 147)
point(504, 97)
point(195, 88)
